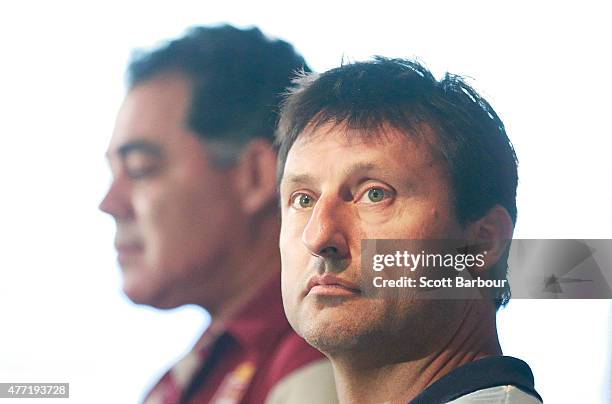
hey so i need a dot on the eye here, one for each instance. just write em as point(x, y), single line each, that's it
point(141, 165)
point(375, 195)
point(302, 201)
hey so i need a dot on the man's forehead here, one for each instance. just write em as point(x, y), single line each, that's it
point(327, 151)
point(295, 175)
point(151, 113)
point(419, 135)
point(363, 148)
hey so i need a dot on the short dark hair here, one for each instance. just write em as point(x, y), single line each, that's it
point(404, 94)
point(238, 78)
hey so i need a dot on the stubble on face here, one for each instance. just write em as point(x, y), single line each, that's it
point(420, 207)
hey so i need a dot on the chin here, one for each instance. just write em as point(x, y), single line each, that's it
point(330, 343)
point(141, 292)
point(332, 331)
point(148, 300)
point(137, 295)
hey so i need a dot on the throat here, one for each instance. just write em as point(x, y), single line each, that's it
point(400, 377)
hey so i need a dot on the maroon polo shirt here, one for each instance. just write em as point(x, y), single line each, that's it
point(242, 362)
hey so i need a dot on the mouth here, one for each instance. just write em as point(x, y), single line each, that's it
point(128, 252)
point(331, 285)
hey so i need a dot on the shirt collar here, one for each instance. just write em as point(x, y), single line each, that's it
point(261, 320)
point(481, 374)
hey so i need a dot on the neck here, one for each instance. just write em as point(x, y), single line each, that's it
point(401, 381)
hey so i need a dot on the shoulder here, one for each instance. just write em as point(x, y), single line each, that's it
point(295, 367)
point(498, 395)
point(297, 386)
point(493, 379)
point(290, 354)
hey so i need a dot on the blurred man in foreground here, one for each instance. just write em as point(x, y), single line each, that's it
point(382, 150)
point(194, 199)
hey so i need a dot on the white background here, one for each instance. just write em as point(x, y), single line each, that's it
point(545, 67)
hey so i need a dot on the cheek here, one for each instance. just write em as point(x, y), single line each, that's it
point(294, 261)
point(202, 222)
point(150, 207)
point(178, 224)
point(161, 230)
point(288, 292)
point(291, 260)
point(415, 220)
point(290, 239)
point(439, 222)
point(289, 279)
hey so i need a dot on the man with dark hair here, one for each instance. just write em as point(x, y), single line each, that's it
point(194, 199)
point(382, 150)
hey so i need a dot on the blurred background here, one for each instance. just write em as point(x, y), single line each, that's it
point(544, 66)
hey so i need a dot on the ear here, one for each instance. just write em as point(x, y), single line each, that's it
point(256, 176)
point(493, 232)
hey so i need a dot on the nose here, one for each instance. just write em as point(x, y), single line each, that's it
point(116, 202)
point(324, 234)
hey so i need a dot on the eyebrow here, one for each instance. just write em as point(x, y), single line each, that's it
point(141, 146)
point(361, 167)
point(308, 179)
point(298, 179)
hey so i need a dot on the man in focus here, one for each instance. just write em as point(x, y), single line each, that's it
point(382, 150)
point(194, 199)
